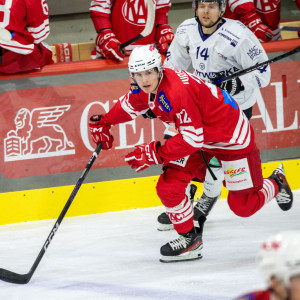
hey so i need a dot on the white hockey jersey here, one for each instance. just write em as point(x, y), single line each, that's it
point(231, 48)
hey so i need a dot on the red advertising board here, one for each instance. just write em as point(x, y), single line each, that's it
point(44, 130)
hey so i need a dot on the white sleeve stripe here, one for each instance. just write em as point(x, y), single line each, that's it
point(39, 28)
point(129, 109)
point(237, 3)
point(192, 142)
point(17, 47)
point(101, 9)
point(40, 37)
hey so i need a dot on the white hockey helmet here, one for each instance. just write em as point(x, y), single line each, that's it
point(144, 58)
point(279, 256)
point(222, 4)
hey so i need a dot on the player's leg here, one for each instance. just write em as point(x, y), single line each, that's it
point(164, 222)
point(248, 190)
point(171, 189)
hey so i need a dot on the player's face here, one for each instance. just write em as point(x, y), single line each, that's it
point(147, 80)
point(295, 287)
point(208, 13)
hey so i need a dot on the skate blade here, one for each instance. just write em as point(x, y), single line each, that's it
point(165, 227)
point(193, 255)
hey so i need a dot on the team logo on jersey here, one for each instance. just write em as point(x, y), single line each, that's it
point(37, 135)
point(164, 102)
point(235, 172)
point(267, 5)
point(135, 89)
point(135, 12)
point(254, 51)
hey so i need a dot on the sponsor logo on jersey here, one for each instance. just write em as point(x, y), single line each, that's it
point(135, 89)
point(187, 49)
point(225, 36)
point(164, 102)
point(233, 43)
point(216, 75)
point(254, 51)
point(235, 172)
point(222, 56)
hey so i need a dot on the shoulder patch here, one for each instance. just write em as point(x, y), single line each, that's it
point(164, 102)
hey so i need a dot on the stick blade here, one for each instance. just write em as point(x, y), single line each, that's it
point(13, 277)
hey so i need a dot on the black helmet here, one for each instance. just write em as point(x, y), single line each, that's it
point(222, 4)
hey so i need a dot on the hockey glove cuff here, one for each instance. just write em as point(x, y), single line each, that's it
point(107, 45)
point(100, 132)
point(144, 156)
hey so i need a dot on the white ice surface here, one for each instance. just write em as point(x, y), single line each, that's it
point(116, 256)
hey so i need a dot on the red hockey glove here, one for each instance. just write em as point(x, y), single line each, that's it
point(255, 24)
point(100, 132)
point(144, 156)
point(163, 37)
point(107, 45)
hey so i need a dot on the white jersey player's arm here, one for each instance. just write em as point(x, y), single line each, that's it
point(177, 55)
point(249, 53)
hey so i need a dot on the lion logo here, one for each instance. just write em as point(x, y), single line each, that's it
point(37, 135)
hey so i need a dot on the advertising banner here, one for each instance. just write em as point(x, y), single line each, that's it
point(45, 130)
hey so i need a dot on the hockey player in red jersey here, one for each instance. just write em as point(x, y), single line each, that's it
point(262, 17)
point(207, 118)
point(117, 22)
point(279, 261)
point(28, 23)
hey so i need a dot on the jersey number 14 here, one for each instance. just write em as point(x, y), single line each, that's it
point(203, 53)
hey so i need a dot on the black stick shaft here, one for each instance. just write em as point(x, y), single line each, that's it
point(250, 69)
point(12, 277)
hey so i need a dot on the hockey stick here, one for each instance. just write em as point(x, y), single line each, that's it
point(250, 69)
point(12, 277)
point(289, 28)
point(148, 27)
point(5, 35)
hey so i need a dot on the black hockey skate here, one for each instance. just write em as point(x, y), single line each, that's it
point(285, 196)
point(187, 247)
point(164, 222)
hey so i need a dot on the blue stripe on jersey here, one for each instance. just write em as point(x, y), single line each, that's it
point(228, 99)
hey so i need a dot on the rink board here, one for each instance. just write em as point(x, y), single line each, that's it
point(45, 143)
point(103, 197)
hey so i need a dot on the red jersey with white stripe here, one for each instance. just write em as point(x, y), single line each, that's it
point(205, 116)
point(268, 11)
point(27, 20)
point(127, 18)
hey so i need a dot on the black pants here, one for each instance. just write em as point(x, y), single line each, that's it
point(248, 112)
